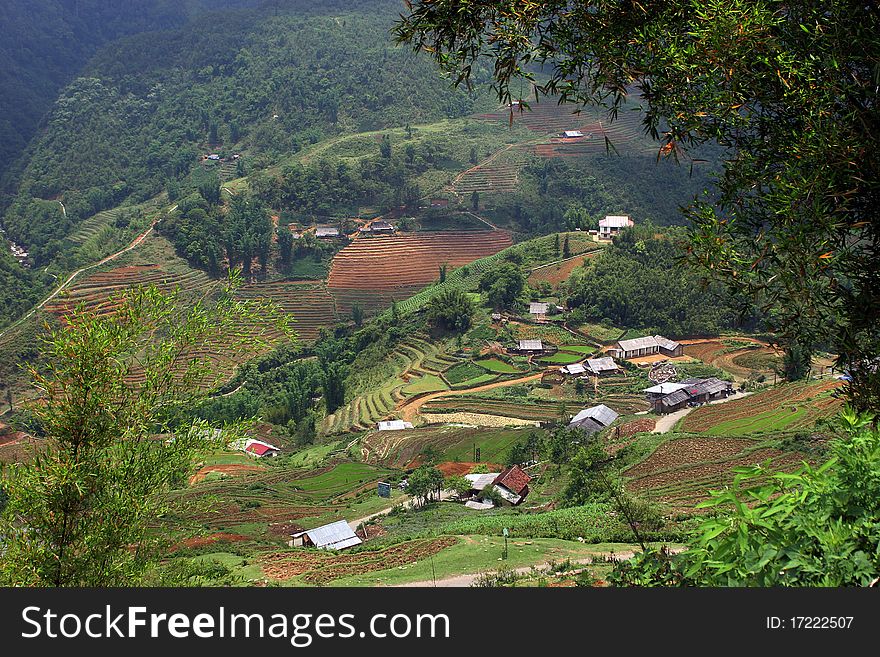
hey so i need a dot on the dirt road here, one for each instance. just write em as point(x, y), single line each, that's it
point(408, 410)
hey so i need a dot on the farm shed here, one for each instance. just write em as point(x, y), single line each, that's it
point(572, 134)
point(439, 203)
point(538, 308)
point(601, 366)
point(612, 225)
point(593, 419)
point(326, 231)
point(381, 227)
point(335, 536)
point(393, 425)
point(529, 346)
point(669, 347)
point(574, 369)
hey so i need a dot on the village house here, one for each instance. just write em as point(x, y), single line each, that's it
point(647, 346)
point(572, 134)
point(378, 228)
point(335, 536)
point(601, 366)
point(593, 419)
point(529, 347)
point(575, 369)
point(671, 397)
point(393, 425)
point(512, 485)
point(326, 232)
point(612, 225)
point(259, 449)
point(439, 203)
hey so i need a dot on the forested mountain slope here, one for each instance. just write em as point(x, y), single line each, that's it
point(147, 106)
point(44, 44)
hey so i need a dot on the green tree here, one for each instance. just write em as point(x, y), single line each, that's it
point(460, 485)
point(424, 482)
point(385, 146)
point(450, 310)
point(79, 512)
point(503, 284)
point(443, 268)
point(333, 385)
point(357, 314)
point(285, 247)
point(475, 200)
point(566, 249)
point(787, 89)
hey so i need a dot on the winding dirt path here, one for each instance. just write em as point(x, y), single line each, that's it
point(409, 409)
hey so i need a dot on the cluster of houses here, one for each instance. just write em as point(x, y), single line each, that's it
point(669, 397)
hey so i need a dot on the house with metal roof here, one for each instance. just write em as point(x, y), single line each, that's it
point(512, 485)
point(538, 308)
point(393, 425)
point(647, 346)
point(689, 392)
point(593, 419)
point(612, 224)
point(335, 536)
point(257, 448)
point(601, 366)
point(575, 369)
point(572, 134)
point(530, 346)
point(326, 231)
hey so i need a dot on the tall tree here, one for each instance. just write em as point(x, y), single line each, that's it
point(787, 88)
point(112, 395)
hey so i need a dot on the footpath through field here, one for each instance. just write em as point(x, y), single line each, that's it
point(409, 409)
point(132, 245)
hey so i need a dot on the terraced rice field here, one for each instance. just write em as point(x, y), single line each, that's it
point(93, 226)
point(277, 494)
point(310, 305)
point(784, 408)
point(499, 173)
point(560, 272)
point(410, 360)
point(375, 271)
point(550, 118)
point(99, 291)
point(398, 449)
point(682, 472)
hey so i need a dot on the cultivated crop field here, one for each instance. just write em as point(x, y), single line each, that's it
point(310, 304)
point(739, 357)
point(559, 272)
point(99, 292)
point(375, 271)
point(398, 449)
point(682, 472)
point(319, 568)
point(783, 408)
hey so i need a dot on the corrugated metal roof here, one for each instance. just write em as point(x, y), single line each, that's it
point(638, 343)
point(326, 231)
point(531, 345)
point(507, 494)
point(480, 481)
point(394, 425)
point(576, 368)
point(335, 536)
point(666, 343)
point(601, 413)
point(665, 388)
point(538, 308)
point(588, 425)
point(616, 221)
point(605, 364)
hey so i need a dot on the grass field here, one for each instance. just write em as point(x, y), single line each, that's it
point(497, 365)
point(463, 372)
point(563, 358)
point(475, 554)
point(426, 383)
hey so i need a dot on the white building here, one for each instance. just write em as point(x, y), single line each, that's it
point(612, 224)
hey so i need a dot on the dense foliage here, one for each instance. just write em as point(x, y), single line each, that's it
point(640, 282)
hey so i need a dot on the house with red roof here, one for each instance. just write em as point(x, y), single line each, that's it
point(512, 484)
point(259, 449)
